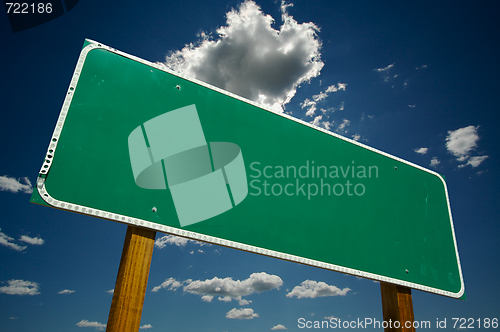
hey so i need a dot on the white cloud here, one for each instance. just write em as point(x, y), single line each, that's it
point(245, 313)
point(20, 287)
point(147, 326)
point(225, 289)
point(32, 240)
point(435, 162)
point(421, 150)
point(66, 291)
point(252, 59)
point(311, 104)
point(111, 291)
point(331, 317)
point(317, 120)
point(313, 289)
point(342, 128)
point(474, 161)
point(6, 240)
point(207, 298)
point(244, 302)
point(278, 327)
point(175, 240)
point(462, 141)
point(13, 185)
point(86, 323)
point(356, 137)
point(225, 298)
point(170, 284)
point(324, 124)
point(385, 68)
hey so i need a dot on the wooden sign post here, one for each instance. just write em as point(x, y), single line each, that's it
point(397, 306)
point(132, 279)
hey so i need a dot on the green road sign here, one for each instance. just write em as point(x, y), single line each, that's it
point(141, 145)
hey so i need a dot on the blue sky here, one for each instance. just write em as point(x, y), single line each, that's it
point(418, 81)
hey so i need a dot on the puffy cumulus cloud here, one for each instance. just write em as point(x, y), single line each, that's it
point(246, 313)
point(278, 327)
point(313, 289)
point(175, 240)
point(32, 240)
point(435, 161)
point(243, 302)
point(6, 241)
point(421, 150)
point(207, 298)
point(86, 323)
point(228, 289)
point(66, 291)
point(146, 326)
point(15, 185)
point(20, 287)
point(252, 59)
point(462, 141)
point(225, 289)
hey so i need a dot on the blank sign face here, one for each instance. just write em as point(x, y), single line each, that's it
point(141, 145)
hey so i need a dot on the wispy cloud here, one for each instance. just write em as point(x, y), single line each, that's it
point(176, 240)
point(278, 327)
point(331, 317)
point(474, 161)
point(6, 241)
point(379, 70)
point(86, 323)
point(15, 185)
point(20, 287)
point(245, 313)
point(313, 289)
point(66, 291)
point(421, 150)
point(342, 128)
point(311, 105)
point(170, 284)
point(252, 59)
point(324, 124)
point(32, 240)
